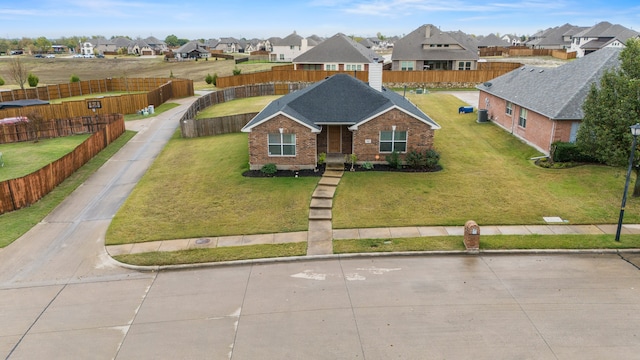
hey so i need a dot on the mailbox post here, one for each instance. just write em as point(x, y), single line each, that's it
point(471, 236)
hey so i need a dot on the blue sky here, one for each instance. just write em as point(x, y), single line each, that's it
point(262, 19)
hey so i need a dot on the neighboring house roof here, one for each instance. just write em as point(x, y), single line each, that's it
point(557, 93)
point(411, 46)
point(338, 100)
point(151, 40)
point(121, 42)
point(555, 36)
point(338, 48)
point(291, 40)
point(191, 46)
point(492, 40)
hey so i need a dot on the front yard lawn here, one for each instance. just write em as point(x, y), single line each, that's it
point(195, 188)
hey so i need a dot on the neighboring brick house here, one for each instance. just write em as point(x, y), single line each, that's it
point(338, 53)
point(429, 48)
point(338, 115)
point(543, 105)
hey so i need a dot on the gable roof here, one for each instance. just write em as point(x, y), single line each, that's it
point(291, 40)
point(338, 48)
point(338, 100)
point(410, 47)
point(557, 93)
point(492, 40)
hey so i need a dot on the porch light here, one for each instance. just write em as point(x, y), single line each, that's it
point(281, 130)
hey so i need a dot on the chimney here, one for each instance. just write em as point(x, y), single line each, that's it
point(375, 75)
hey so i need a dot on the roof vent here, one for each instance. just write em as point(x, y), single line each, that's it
point(487, 84)
point(541, 70)
point(522, 68)
point(531, 70)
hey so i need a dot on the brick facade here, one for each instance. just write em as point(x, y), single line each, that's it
point(305, 145)
point(540, 131)
point(366, 139)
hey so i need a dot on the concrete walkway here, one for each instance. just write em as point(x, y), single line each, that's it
point(318, 237)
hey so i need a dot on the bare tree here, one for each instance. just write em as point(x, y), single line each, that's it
point(35, 124)
point(18, 71)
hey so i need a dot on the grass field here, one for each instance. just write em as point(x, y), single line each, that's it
point(60, 69)
point(23, 158)
point(237, 106)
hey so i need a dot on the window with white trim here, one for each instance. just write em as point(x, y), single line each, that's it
point(407, 65)
point(509, 109)
point(353, 67)
point(330, 67)
point(522, 120)
point(282, 144)
point(393, 140)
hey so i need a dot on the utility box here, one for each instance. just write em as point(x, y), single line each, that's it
point(483, 116)
point(465, 109)
point(471, 236)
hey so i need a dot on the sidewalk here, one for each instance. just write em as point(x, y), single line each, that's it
point(367, 233)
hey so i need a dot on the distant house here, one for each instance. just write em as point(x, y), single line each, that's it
point(228, 45)
point(429, 48)
point(86, 48)
point(338, 115)
point(140, 47)
point(556, 38)
point(338, 53)
point(492, 40)
point(290, 47)
point(544, 105)
point(192, 50)
point(102, 45)
point(158, 46)
point(601, 35)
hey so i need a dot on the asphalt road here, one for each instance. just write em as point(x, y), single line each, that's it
point(62, 297)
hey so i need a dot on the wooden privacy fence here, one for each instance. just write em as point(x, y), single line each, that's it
point(22, 192)
point(524, 51)
point(188, 122)
point(192, 128)
point(51, 128)
point(156, 91)
point(486, 71)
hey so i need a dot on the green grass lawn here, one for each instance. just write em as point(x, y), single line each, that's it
point(14, 224)
point(237, 106)
point(488, 177)
point(23, 158)
point(94, 95)
point(195, 188)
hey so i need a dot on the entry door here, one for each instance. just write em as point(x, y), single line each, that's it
point(335, 139)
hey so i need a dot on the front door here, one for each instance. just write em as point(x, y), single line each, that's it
point(335, 139)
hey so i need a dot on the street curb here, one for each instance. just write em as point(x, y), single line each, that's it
point(267, 261)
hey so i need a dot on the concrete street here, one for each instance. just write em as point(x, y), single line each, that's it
point(63, 297)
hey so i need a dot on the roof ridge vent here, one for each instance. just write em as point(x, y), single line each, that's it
point(541, 71)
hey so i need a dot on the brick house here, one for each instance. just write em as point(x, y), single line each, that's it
point(543, 105)
point(338, 116)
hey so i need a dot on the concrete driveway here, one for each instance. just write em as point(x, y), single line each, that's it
point(62, 297)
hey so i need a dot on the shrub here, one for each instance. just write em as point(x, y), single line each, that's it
point(208, 79)
point(367, 165)
point(214, 80)
point(236, 71)
point(74, 78)
point(322, 157)
point(171, 74)
point(431, 159)
point(269, 169)
point(568, 152)
point(1, 81)
point(394, 160)
point(32, 80)
point(415, 159)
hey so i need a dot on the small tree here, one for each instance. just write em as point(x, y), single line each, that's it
point(208, 79)
point(1, 81)
point(74, 78)
point(35, 123)
point(18, 71)
point(236, 71)
point(33, 80)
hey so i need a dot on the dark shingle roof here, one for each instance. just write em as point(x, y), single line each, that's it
point(410, 47)
point(492, 40)
point(339, 99)
point(557, 93)
point(338, 48)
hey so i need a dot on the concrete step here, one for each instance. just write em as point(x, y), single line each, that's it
point(324, 192)
point(329, 181)
point(321, 203)
point(319, 214)
point(335, 166)
point(333, 173)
